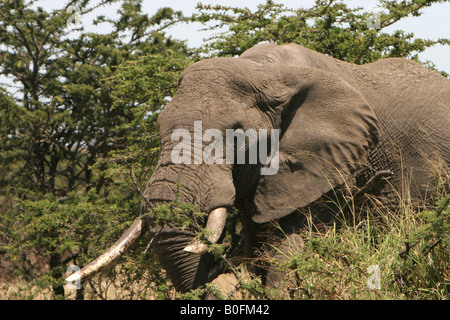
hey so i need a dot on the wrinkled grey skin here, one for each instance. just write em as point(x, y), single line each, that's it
point(339, 124)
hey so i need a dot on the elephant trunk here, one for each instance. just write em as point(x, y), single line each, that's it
point(183, 256)
point(126, 241)
point(185, 270)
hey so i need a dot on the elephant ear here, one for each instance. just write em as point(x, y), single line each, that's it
point(327, 128)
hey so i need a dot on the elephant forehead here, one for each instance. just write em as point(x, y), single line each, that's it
point(216, 79)
point(245, 75)
point(195, 114)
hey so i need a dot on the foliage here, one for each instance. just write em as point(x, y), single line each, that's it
point(330, 27)
point(183, 215)
point(409, 246)
point(77, 229)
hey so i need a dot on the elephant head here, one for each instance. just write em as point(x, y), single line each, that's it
point(324, 128)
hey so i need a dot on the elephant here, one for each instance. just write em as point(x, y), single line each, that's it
point(337, 124)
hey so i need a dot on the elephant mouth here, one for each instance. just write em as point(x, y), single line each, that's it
point(186, 261)
point(187, 271)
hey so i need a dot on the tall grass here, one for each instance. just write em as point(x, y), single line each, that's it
point(400, 252)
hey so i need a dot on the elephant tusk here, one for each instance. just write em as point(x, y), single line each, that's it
point(216, 223)
point(214, 226)
point(128, 239)
point(196, 247)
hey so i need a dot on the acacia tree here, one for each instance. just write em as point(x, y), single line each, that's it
point(63, 129)
point(329, 26)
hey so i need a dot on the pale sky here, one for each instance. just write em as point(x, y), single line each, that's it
point(433, 24)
